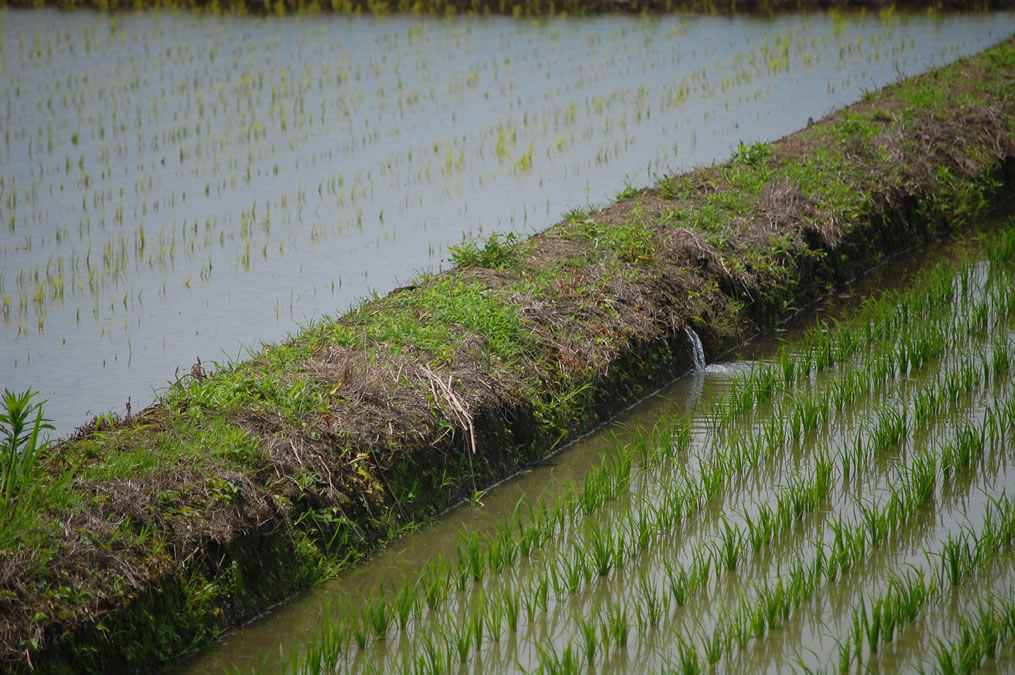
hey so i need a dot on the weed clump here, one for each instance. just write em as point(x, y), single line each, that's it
point(497, 252)
point(21, 423)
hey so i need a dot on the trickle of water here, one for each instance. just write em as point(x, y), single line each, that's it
point(699, 351)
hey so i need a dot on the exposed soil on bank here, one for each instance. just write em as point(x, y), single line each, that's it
point(246, 485)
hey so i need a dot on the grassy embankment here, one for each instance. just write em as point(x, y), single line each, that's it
point(146, 538)
point(516, 8)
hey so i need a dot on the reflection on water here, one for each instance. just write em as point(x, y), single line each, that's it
point(175, 186)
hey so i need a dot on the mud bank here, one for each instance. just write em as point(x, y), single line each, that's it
point(156, 533)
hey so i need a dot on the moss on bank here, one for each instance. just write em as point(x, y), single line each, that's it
point(156, 533)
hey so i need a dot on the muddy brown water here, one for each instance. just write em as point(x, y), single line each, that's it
point(810, 635)
point(175, 187)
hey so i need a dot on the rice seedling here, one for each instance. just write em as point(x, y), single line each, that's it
point(578, 570)
point(979, 637)
point(359, 632)
point(477, 622)
point(530, 600)
point(905, 597)
point(729, 548)
point(332, 646)
point(648, 598)
point(493, 617)
point(875, 626)
point(431, 657)
point(899, 604)
point(683, 582)
point(539, 592)
point(614, 624)
point(528, 539)
point(789, 368)
point(957, 561)
point(406, 604)
point(376, 614)
point(802, 497)
point(471, 557)
point(588, 630)
point(600, 545)
point(712, 645)
point(595, 491)
point(761, 528)
point(640, 530)
point(1000, 358)
point(494, 557)
point(925, 406)
point(774, 607)
point(435, 582)
point(552, 663)
point(806, 414)
point(851, 385)
point(460, 578)
point(889, 429)
point(688, 659)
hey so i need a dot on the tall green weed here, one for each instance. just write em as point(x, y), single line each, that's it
point(21, 425)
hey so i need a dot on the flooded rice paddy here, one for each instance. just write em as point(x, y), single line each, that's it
point(175, 187)
point(836, 499)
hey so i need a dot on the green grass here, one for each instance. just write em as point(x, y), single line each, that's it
point(434, 320)
point(631, 242)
